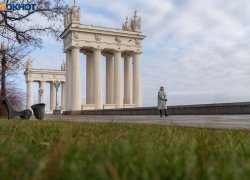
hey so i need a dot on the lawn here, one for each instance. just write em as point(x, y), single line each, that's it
point(95, 150)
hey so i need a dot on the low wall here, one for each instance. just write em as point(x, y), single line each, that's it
point(51, 112)
point(199, 109)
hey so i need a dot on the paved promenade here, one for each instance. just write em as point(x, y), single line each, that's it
point(212, 121)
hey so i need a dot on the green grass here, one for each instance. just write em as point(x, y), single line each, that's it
point(85, 150)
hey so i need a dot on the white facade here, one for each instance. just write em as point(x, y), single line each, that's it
point(42, 76)
point(114, 44)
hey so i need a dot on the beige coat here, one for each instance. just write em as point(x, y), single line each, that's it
point(162, 96)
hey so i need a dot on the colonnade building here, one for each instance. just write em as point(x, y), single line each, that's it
point(42, 76)
point(114, 44)
point(94, 41)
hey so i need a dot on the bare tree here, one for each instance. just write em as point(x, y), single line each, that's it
point(23, 34)
point(16, 97)
point(15, 23)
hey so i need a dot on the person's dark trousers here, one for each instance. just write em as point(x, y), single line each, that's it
point(164, 111)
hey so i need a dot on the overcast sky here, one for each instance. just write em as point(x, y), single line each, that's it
point(198, 50)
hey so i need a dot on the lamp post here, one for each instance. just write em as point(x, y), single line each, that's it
point(57, 111)
point(3, 50)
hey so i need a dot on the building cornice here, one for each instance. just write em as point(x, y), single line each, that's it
point(47, 71)
point(101, 30)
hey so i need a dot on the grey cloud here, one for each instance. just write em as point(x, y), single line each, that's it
point(198, 50)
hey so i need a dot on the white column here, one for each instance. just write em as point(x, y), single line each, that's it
point(89, 78)
point(98, 97)
point(39, 86)
point(75, 79)
point(68, 81)
point(118, 96)
point(137, 80)
point(127, 80)
point(63, 96)
point(109, 79)
point(52, 96)
point(29, 94)
point(43, 99)
point(42, 85)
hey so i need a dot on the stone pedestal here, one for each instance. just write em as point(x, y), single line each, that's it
point(57, 112)
point(88, 107)
point(109, 106)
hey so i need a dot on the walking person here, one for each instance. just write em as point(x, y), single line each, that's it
point(162, 101)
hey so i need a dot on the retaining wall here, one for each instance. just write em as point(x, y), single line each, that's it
point(199, 109)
